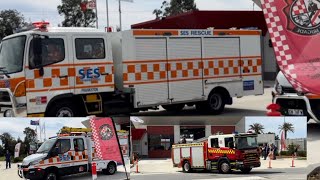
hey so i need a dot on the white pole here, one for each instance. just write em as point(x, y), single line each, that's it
point(120, 15)
point(97, 14)
point(107, 8)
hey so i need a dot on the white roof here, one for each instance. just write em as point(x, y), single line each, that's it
point(73, 29)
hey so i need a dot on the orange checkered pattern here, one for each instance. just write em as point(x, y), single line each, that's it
point(52, 73)
point(173, 70)
point(219, 151)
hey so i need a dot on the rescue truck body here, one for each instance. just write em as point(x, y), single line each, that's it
point(219, 152)
point(51, 71)
point(64, 155)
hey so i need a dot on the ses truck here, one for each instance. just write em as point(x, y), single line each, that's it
point(219, 152)
point(69, 153)
point(49, 71)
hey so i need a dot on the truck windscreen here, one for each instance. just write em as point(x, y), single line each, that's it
point(248, 142)
point(11, 55)
point(46, 146)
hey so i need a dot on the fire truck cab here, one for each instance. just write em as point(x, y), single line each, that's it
point(64, 155)
point(219, 152)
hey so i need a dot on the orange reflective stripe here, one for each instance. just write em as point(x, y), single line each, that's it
point(154, 32)
point(236, 32)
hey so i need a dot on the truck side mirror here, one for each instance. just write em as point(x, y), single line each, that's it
point(231, 144)
point(37, 52)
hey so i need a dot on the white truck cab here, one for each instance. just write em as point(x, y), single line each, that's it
point(61, 156)
point(294, 103)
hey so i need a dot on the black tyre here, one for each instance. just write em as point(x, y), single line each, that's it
point(215, 103)
point(111, 169)
point(51, 176)
point(186, 167)
point(224, 167)
point(173, 107)
point(63, 109)
point(246, 170)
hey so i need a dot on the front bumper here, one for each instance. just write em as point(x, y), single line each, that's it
point(241, 164)
point(294, 101)
point(33, 174)
point(9, 102)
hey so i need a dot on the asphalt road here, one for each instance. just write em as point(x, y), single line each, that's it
point(276, 174)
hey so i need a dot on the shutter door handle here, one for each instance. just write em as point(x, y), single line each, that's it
point(65, 76)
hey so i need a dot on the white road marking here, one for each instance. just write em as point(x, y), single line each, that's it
point(239, 178)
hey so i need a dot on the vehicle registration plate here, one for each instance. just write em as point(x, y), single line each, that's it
point(295, 112)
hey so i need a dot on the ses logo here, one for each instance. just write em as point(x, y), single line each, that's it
point(89, 74)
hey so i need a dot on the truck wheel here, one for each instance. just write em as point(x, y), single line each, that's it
point(186, 167)
point(215, 103)
point(51, 176)
point(111, 169)
point(173, 107)
point(63, 109)
point(224, 167)
point(246, 170)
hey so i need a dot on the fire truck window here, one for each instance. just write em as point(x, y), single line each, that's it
point(78, 145)
point(53, 51)
point(90, 48)
point(63, 145)
point(215, 143)
point(228, 141)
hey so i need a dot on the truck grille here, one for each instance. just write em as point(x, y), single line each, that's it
point(4, 96)
point(250, 158)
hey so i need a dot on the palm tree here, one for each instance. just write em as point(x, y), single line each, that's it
point(286, 127)
point(257, 128)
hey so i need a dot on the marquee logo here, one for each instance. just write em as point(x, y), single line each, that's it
point(303, 16)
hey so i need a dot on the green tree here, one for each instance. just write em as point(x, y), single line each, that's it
point(175, 7)
point(74, 16)
point(31, 137)
point(276, 137)
point(286, 127)
point(10, 20)
point(8, 141)
point(257, 128)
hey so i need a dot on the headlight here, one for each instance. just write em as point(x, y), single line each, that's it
point(278, 88)
point(35, 162)
point(8, 113)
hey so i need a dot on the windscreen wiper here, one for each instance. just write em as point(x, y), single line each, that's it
point(5, 72)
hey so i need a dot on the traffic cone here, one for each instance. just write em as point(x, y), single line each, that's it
point(137, 166)
point(94, 171)
point(292, 163)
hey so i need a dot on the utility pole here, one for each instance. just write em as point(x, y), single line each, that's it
point(107, 8)
point(120, 15)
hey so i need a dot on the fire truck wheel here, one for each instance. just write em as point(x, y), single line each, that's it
point(186, 167)
point(216, 103)
point(224, 167)
point(173, 107)
point(51, 176)
point(111, 169)
point(246, 170)
point(62, 109)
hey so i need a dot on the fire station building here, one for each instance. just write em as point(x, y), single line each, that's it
point(222, 20)
point(154, 137)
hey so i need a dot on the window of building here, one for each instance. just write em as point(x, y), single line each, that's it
point(90, 48)
point(160, 142)
point(52, 51)
point(214, 143)
point(78, 144)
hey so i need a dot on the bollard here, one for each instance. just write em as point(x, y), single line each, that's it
point(292, 163)
point(94, 171)
point(137, 167)
point(269, 163)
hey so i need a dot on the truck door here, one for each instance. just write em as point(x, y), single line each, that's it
point(150, 72)
point(184, 69)
point(93, 64)
point(221, 60)
point(80, 156)
point(49, 77)
point(62, 156)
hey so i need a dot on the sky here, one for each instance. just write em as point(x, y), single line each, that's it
point(271, 124)
point(132, 13)
point(16, 126)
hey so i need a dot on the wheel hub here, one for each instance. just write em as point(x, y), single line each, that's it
point(215, 102)
point(225, 167)
point(65, 112)
point(111, 169)
point(186, 166)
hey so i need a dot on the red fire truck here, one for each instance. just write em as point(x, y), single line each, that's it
point(219, 152)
